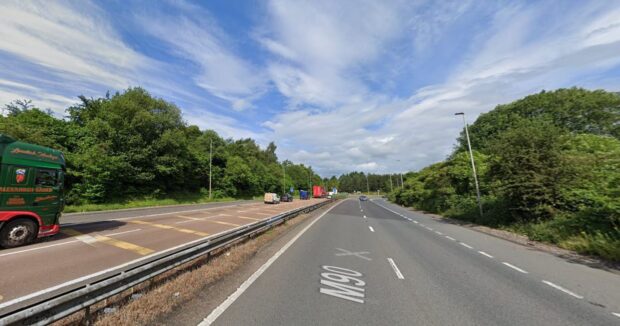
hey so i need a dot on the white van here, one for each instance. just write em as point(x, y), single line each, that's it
point(271, 198)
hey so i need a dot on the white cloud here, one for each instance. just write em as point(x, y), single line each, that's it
point(226, 127)
point(523, 51)
point(323, 46)
point(11, 91)
point(222, 72)
point(71, 40)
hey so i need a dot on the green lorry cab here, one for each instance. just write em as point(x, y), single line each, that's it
point(31, 191)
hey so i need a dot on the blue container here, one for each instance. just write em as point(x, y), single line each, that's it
point(303, 194)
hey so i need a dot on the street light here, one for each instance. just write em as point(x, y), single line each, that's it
point(402, 185)
point(473, 165)
point(367, 186)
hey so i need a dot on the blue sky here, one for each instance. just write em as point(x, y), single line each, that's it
point(339, 85)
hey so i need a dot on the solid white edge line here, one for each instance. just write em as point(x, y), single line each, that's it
point(515, 267)
point(371, 229)
point(563, 289)
point(39, 248)
point(451, 238)
point(615, 314)
point(466, 245)
point(395, 268)
point(85, 277)
point(245, 285)
point(485, 254)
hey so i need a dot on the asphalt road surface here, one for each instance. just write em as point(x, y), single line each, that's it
point(374, 263)
point(96, 244)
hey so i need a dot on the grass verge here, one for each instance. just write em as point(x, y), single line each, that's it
point(146, 202)
point(144, 304)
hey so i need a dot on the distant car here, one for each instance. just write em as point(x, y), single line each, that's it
point(286, 198)
point(271, 198)
point(363, 198)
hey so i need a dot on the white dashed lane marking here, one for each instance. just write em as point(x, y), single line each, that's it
point(555, 286)
point(371, 229)
point(466, 245)
point(515, 267)
point(563, 289)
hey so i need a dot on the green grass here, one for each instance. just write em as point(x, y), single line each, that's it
point(178, 199)
point(603, 244)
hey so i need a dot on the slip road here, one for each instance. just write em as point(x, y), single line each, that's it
point(369, 264)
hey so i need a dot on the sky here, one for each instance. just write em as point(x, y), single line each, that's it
point(338, 85)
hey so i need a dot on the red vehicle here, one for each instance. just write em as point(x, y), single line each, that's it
point(318, 192)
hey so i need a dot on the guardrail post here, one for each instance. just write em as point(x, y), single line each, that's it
point(87, 316)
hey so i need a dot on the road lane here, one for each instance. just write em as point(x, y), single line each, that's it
point(289, 293)
point(598, 286)
point(87, 248)
point(320, 280)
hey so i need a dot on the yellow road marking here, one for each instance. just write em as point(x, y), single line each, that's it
point(113, 242)
point(170, 227)
point(223, 223)
point(190, 218)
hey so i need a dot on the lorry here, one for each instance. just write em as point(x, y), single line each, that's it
point(271, 198)
point(31, 191)
point(318, 192)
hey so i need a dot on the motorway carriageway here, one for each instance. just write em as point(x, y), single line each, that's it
point(375, 263)
point(96, 242)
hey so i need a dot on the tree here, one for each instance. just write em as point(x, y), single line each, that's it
point(18, 106)
point(530, 169)
point(575, 110)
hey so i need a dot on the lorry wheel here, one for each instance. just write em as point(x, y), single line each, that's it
point(17, 233)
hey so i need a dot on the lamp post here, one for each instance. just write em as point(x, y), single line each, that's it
point(391, 186)
point(367, 186)
point(473, 165)
point(402, 185)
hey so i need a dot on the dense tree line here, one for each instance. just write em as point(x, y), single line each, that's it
point(357, 181)
point(548, 164)
point(131, 144)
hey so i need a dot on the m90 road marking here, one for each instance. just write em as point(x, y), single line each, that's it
point(343, 283)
